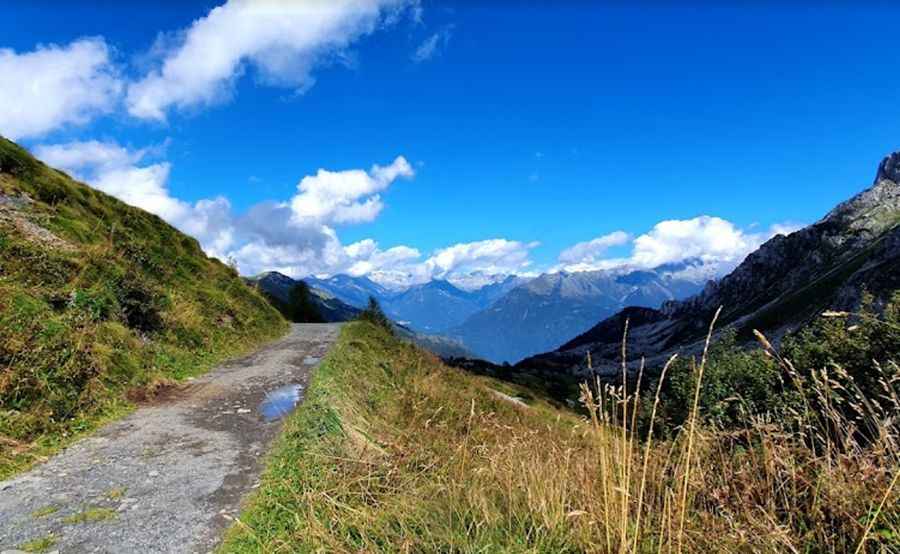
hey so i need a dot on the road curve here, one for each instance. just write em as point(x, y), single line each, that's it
point(168, 477)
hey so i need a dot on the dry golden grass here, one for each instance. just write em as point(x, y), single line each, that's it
point(394, 452)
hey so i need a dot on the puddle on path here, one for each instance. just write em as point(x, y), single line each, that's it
point(280, 402)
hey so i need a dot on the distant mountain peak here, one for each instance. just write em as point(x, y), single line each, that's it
point(889, 169)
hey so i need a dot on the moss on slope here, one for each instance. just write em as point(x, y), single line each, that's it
point(98, 298)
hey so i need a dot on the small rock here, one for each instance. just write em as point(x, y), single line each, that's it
point(153, 474)
point(244, 411)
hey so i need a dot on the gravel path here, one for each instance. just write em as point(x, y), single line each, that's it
point(170, 476)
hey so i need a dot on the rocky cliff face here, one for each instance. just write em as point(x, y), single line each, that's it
point(779, 287)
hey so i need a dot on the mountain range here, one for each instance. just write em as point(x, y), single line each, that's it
point(508, 319)
point(778, 288)
point(278, 287)
point(431, 307)
point(549, 310)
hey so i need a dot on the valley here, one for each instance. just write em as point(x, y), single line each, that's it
point(437, 277)
point(794, 295)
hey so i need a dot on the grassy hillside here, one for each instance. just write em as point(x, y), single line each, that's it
point(99, 300)
point(394, 452)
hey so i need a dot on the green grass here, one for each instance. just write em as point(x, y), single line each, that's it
point(100, 302)
point(42, 544)
point(44, 512)
point(392, 451)
point(91, 515)
point(371, 461)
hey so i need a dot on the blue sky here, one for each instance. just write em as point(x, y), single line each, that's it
point(549, 123)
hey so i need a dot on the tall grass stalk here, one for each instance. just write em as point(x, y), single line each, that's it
point(692, 427)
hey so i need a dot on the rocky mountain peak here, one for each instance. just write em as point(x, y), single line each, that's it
point(874, 210)
point(889, 169)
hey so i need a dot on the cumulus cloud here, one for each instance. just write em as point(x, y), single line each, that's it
point(401, 266)
point(346, 196)
point(54, 86)
point(713, 240)
point(592, 250)
point(490, 256)
point(704, 237)
point(118, 171)
point(433, 45)
point(296, 236)
point(282, 41)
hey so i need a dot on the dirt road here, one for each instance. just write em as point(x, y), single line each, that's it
point(168, 477)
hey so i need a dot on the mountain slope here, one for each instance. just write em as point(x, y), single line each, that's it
point(98, 298)
point(433, 306)
point(354, 291)
point(550, 309)
point(779, 287)
point(278, 288)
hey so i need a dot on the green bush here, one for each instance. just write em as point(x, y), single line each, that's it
point(737, 385)
point(857, 353)
point(865, 344)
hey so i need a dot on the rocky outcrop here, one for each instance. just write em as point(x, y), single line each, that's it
point(889, 169)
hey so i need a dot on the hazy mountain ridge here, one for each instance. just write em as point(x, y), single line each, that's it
point(351, 290)
point(550, 309)
point(431, 307)
point(780, 286)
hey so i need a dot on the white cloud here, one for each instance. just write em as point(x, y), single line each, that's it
point(490, 256)
point(346, 196)
point(402, 266)
point(433, 45)
point(118, 171)
point(54, 86)
point(297, 236)
point(592, 250)
point(704, 237)
point(713, 240)
point(282, 41)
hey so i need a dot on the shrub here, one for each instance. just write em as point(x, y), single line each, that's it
point(865, 345)
point(738, 386)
